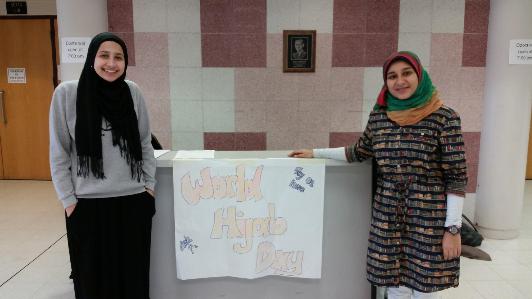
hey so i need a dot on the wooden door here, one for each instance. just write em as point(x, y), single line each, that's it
point(26, 43)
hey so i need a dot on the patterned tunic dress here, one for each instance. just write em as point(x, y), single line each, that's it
point(417, 165)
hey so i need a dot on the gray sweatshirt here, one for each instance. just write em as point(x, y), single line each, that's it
point(63, 156)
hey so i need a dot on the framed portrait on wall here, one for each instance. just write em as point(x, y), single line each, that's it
point(299, 50)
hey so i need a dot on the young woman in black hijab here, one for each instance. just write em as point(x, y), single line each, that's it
point(103, 170)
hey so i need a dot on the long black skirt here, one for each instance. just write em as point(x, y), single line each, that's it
point(109, 243)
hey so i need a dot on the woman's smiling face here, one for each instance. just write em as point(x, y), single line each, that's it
point(401, 80)
point(109, 62)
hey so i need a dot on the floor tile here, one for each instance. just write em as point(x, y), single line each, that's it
point(496, 289)
point(512, 272)
point(478, 273)
point(463, 291)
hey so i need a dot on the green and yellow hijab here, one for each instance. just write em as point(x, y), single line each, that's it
point(422, 103)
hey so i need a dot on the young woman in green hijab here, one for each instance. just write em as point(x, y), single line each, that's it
point(414, 241)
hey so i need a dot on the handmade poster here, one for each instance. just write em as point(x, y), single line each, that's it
point(248, 218)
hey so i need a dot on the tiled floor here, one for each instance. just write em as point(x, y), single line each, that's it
point(34, 257)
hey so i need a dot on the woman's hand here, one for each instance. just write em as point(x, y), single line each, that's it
point(70, 209)
point(302, 153)
point(452, 246)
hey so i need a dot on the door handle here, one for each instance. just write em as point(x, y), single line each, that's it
point(2, 108)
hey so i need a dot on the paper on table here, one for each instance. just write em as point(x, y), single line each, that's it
point(207, 248)
point(198, 154)
point(158, 153)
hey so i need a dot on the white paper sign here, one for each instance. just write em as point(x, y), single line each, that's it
point(520, 51)
point(248, 218)
point(16, 75)
point(74, 49)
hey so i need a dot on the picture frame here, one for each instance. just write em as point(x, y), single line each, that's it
point(299, 51)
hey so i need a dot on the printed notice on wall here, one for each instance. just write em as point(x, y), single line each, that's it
point(74, 49)
point(520, 51)
point(248, 218)
point(16, 75)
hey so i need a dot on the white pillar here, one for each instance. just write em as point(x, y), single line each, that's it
point(79, 18)
point(506, 122)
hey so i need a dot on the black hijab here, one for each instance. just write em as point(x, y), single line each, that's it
point(112, 101)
